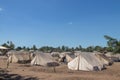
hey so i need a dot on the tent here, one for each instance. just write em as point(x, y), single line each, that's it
point(77, 53)
point(103, 58)
point(55, 54)
point(69, 57)
point(63, 54)
point(87, 62)
point(109, 54)
point(1, 47)
point(43, 59)
point(113, 57)
point(11, 52)
point(3, 50)
point(18, 56)
point(117, 56)
point(66, 57)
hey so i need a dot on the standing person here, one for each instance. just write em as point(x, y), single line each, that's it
point(8, 63)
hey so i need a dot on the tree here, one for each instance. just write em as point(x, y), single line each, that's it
point(9, 44)
point(34, 47)
point(5, 45)
point(80, 47)
point(18, 48)
point(58, 49)
point(27, 48)
point(63, 48)
point(12, 45)
point(113, 44)
point(47, 49)
point(90, 49)
point(77, 48)
point(98, 48)
point(117, 48)
point(24, 48)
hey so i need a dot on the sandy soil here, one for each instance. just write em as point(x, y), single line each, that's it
point(26, 72)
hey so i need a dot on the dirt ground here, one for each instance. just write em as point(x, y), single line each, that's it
point(17, 71)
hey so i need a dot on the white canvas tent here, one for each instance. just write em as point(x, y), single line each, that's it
point(18, 56)
point(66, 57)
point(55, 53)
point(113, 57)
point(103, 58)
point(69, 57)
point(43, 59)
point(63, 54)
point(3, 50)
point(117, 56)
point(11, 52)
point(1, 47)
point(109, 54)
point(86, 62)
point(77, 53)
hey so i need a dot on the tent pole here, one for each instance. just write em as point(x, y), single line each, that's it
point(54, 68)
point(78, 62)
point(54, 65)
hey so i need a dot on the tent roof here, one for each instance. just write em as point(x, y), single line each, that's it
point(1, 47)
point(86, 61)
point(43, 59)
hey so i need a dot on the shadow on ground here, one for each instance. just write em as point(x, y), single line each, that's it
point(4, 75)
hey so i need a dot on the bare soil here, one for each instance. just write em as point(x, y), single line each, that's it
point(17, 71)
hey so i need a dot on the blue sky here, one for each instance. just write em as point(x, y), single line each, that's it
point(59, 22)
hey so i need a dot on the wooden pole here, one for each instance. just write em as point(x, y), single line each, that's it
point(54, 69)
point(7, 63)
point(78, 61)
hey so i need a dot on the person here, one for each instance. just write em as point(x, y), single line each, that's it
point(8, 63)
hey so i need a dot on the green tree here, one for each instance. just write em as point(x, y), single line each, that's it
point(27, 48)
point(98, 48)
point(12, 45)
point(5, 45)
point(34, 47)
point(113, 44)
point(47, 49)
point(18, 48)
point(9, 44)
point(63, 48)
point(77, 48)
point(24, 47)
point(80, 47)
point(90, 49)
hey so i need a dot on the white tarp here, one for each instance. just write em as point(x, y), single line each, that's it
point(109, 54)
point(69, 57)
point(113, 57)
point(43, 59)
point(1, 47)
point(55, 53)
point(103, 58)
point(86, 62)
point(18, 56)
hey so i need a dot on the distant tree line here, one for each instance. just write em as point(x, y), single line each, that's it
point(113, 45)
